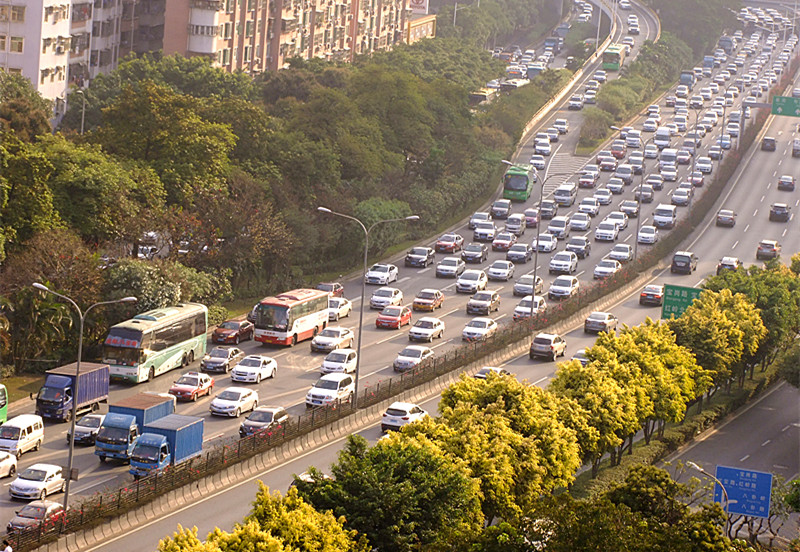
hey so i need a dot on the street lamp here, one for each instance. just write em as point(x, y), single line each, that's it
point(82, 317)
point(639, 199)
point(363, 283)
point(721, 486)
point(83, 107)
point(456, 8)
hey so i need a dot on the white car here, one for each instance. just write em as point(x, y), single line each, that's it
point(381, 274)
point(426, 328)
point(545, 243)
point(450, 267)
point(254, 368)
point(580, 222)
point(524, 285)
point(669, 173)
point(233, 401)
point(561, 125)
point(621, 252)
point(648, 234)
point(471, 281)
point(603, 196)
point(385, 296)
point(543, 147)
point(500, 270)
point(606, 231)
point(529, 306)
point(340, 360)
point(339, 307)
point(479, 329)
point(606, 268)
point(400, 414)
point(538, 162)
point(564, 262)
point(563, 287)
point(333, 337)
point(704, 164)
point(38, 481)
point(619, 218)
point(410, 357)
point(329, 389)
point(589, 206)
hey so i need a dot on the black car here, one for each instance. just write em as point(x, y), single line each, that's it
point(780, 212)
point(519, 253)
point(221, 359)
point(580, 245)
point(684, 262)
point(786, 182)
point(549, 209)
point(726, 217)
point(420, 256)
point(475, 253)
point(768, 143)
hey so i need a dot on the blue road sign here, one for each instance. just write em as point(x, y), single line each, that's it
point(749, 491)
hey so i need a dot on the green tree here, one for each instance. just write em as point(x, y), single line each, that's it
point(154, 124)
point(401, 494)
point(185, 540)
point(22, 109)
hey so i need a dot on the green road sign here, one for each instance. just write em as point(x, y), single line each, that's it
point(677, 299)
point(784, 105)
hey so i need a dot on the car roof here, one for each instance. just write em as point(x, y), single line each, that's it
point(336, 376)
point(403, 405)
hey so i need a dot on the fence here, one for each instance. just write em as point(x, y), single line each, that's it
point(91, 511)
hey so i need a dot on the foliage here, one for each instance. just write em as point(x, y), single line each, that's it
point(697, 23)
point(789, 365)
point(402, 494)
point(22, 108)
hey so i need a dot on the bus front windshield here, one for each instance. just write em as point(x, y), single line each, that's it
point(121, 355)
point(516, 182)
point(272, 317)
point(122, 347)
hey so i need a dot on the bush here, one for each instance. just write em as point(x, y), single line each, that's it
point(217, 314)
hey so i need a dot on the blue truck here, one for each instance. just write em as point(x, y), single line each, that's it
point(168, 441)
point(708, 61)
point(688, 78)
point(63, 385)
point(727, 43)
point(554, 42)
point(124, 423)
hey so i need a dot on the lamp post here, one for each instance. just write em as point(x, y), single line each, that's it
point(82, 317)
point(456, 8)
point(363, 284)
point(639, 199)
point(694, 466)
point(83, 107)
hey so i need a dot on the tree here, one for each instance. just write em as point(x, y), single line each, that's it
point(185, 540)
point(153, 124)
point(22, 109)
point(402, 494)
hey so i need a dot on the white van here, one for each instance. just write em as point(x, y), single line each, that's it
point(662, 137)
point(665, 216)
point(668, 156)
point(21, 434)
point(515, 223)
point(566, 194)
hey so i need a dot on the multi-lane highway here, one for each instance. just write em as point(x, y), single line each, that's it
point(299, 369)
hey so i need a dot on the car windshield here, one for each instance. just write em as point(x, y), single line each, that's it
point(331, 332)
point(500, 265)
point(526, 303)
point(412, 353)
point(606, 226)
point(218, 352)
point(89, 421)
point(383, 293)
point(379, 268)
point(597, 316)
point(682, 258)
point(562, 257)
point(32, 512)
point(113, 434)
point(647, 230)
point(391, 311)
point(9, 433)
point(480, 296)
point(396, 412)
point(504, 237)
point(620, 249)
point(33, 475)
point(563, 282)
point(526, 280)
point(473, 248)
point(470, 276)
point(250, 362)
point(449, 262)
point(229, 325)
point(263, 416)
point(424, 295)
point(145, 453)
point(426, 324)
point(188, 380)
point(335, 302)
point(327, 384)
point(606, 264)
point(336, 357)
point(419, 251)
point(558, 223)
point(477, 323)
point(230, 396)
point(448, 238)
point(576, 241)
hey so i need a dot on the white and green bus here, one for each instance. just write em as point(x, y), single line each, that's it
point(155, 342)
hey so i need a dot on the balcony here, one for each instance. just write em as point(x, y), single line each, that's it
point(202, 44)
point(211, 5)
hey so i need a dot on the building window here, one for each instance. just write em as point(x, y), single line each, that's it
point(249, 27)
point(248, 51)
point(17, 14)
point(2, 43)
point(226, 56)
point(228, 28)
point(230, 5)
point(251, 5)
point(16, 44)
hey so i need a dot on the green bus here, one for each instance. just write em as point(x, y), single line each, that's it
point(614, 57)
point(155, 342)
point(518, 182)
point(3, 404)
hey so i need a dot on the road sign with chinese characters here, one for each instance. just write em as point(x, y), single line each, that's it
point(677, 299)
point(749, 491)
point(785, 105)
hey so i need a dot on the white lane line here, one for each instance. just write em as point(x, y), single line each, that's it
point(783, 235)
point(403, 279)
point(762, 199)
point(443, 343)
point(501, 316)
point(743, 458)
point(448, 313)
point(765, 443)
point(786, 427)
point(746, 228)
point(735, 244)
point(628, 237)
point(101, 482)
point(424, 270)
point(540, 380)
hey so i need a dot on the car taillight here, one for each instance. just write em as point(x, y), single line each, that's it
point(405, 418)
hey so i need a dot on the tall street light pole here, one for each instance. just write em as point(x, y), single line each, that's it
point(639, 200)
point(83, 108)
point(363, 284)
point(82, 317)
point(721, 486)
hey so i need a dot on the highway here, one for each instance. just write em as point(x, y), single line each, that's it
point(750, 195)
point(298, 369)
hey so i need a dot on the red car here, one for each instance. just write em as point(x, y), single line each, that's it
point(192, 385)
point(618, 150)
point(428, 300)
point(334, 288)
point(449, 243)
point(504, 241)
point(233, 331)
point(393, 317)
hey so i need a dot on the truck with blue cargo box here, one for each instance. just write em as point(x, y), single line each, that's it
point(64, 384)
point(708, 61)
point(168, 441)
point(554, 42)
point(124, 423)
point(727, 43)
point(688, 78)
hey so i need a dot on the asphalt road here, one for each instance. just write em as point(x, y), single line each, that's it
point(298, 369)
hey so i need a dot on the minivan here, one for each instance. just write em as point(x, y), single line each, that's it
point(566, 194)
point(662, 137)
point(665, 216)
point(21, 434)
point(668, 155)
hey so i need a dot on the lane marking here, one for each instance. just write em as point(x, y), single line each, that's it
point(765, 443)
point(743, 458)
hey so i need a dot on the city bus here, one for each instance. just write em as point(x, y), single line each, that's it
point(291, 316)
point(518, 182)
point(484, 95)
point(155, 342)
point(614, 57)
